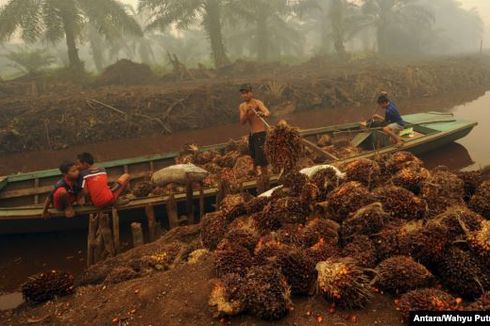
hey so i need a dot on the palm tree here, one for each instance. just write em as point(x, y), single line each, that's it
point(269, 18)
point(392, 18)
point(185, 13)
point(29, 61)
point(337, 22)
point(58, 19)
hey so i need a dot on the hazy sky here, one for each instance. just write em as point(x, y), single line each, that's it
point(483, 7)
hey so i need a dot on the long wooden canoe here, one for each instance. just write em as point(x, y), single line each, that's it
point(22, 195)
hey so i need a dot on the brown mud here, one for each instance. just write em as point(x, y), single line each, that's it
point(178, 296)
point(158, 143)
point(58, 115)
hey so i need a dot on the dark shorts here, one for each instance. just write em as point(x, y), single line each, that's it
point(62, 199)
point(256, 143)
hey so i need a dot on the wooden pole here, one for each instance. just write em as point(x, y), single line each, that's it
point(190, 202)
point(115, 230)
point(152, 223)
point(137, 232)
point(201, 200)
point(107, 238)
point(91, 241)
point(171, 206)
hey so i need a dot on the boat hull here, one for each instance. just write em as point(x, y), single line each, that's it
point(26, 219)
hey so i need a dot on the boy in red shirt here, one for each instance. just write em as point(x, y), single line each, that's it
point(94, 182)
point(65, 192)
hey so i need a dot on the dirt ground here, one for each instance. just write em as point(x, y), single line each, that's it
point(178, 296)
point(52, 114)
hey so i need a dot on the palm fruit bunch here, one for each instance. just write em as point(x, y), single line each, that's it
point(320, 228)
point(428, 299)
point(326, 180)
point(348, 198)
point(240, 145)
point(294, 181)
point(442, 190)
point(142, 189)
point(282, 211)
point(266, 293)
point(323, 250)
point(401, 203)
point(481, 304)
point(204, 157)
point(212, 168)
point(461, 273)
point(243, 168)
point(309, 194)
point(401, 160)
point(247, 238)
point(410, 178)
point(226, 295)
point(283, 147)
point(424, 242)
point(362, 250)
point(385, 172)
point(400, 274)
point(213, 229)
point(480, 202)
point(343, 282)
point(290, 234)
point(364, 171)
point(367, 220)
point(228, 160)
point(386, 241)
point(256, 204)
point(479, 241)
point(232, 258)
point(268, 247)
point(472, 180)
point(298, 268)
point(451, 219)
point(46, 286)
point(234, 201)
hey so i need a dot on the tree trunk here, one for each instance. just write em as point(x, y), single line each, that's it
point(73, 57)
point(212, 25)
point(262, 39)
point(381, 37)
point(97, 53)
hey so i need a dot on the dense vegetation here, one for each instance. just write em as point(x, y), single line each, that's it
point(91, 34)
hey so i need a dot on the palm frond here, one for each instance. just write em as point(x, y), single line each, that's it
point(110, 16)
point(20, 14)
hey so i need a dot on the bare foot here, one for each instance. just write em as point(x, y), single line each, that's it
point(70, 212)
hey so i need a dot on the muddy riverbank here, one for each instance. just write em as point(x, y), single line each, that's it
point(465, 104)
point(60, 116)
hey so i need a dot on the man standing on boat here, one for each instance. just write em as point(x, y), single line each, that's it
point(253, 111)
point(392, 118)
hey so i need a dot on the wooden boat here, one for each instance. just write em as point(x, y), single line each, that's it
point(22, 195)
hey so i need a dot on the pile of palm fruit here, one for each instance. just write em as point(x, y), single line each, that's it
point(47, 286)
point(388, 225)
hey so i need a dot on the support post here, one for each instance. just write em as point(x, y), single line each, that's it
point(152, 223)
point(137, 232)
point(201, 200)
point(115, 230)
point(107, 238)
point(190, 202)
point(91, 239)
point(171, 206)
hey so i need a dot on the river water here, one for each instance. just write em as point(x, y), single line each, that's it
point(24, 255)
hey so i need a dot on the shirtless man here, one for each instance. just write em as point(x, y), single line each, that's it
point(250, 110)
